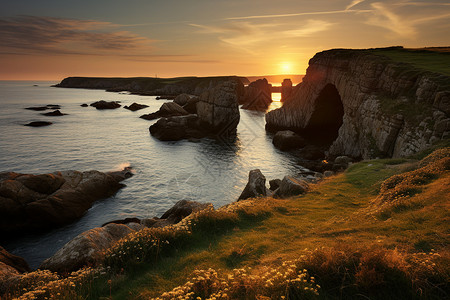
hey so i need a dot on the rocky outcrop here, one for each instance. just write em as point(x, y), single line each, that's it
point(286, 140)
point(367, 104)
point(217, 115)
point(135, 106)
point(168, 109)
point(258, 95)
point(87, 247)
point(36, 202)
point(256, 186)
point(102, 104)
point(181, 99)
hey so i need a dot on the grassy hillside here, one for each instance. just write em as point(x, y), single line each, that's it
point(380, 230)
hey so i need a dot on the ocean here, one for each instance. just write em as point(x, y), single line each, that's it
point(106, 140)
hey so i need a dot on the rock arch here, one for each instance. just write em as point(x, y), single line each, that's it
point(327, 116)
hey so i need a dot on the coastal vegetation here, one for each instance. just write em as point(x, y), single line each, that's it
point(379, 230)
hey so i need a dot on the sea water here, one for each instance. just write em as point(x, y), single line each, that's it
point(105, 140)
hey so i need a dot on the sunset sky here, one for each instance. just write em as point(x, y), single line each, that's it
point(50, 40)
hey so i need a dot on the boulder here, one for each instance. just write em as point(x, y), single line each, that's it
point(182, 209)
point(168, 109)
point(86, 248)
point(56, 113)
point(36, 202)
point(291, 187)
point(38, 124)
point(274, 184)
point(287, 140)
point(182, 99)
point(256, 186)
point(102, 104)
point(342, 160)
point(14, 261)
point(135, 106)
point(328, 173)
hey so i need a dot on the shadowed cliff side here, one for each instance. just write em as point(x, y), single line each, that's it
point(365, 104)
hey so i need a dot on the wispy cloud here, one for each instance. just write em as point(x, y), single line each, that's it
point(331, 12)
point(391, 16)
point(247, 36)
point(47, 35)
point(354, 3)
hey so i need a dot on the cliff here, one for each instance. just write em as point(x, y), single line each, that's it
point(149, 86)
point(366, 104)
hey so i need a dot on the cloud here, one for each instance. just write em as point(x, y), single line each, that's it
point(299, 14)
point(47, 35)
point(354, 3)
point(403, 18)
point(248, 36)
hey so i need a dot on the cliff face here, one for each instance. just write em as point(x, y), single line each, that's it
point(367, 105)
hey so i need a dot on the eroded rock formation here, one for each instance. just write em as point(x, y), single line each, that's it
point(258, 95)
point(366, 105)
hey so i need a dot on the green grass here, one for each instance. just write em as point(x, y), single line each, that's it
point(438, 62)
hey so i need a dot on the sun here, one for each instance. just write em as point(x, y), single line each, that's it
point(286, 67)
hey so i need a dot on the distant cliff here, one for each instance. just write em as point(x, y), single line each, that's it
point(367, 104)
point(149, 86)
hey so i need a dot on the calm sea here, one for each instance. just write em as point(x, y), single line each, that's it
point(90, 139)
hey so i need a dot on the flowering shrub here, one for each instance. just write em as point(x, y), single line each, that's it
point(286, 282)
point(44, 284)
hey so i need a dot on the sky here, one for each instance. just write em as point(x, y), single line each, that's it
point(51, 40)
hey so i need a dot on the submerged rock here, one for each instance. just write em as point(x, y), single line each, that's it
point(287, 140)
point(135, 106)
point(41, 108)
point(84, 105)
point(38, 124)
point(36, 202)
point(55, 113)
point(256, 186)
point(102, 104)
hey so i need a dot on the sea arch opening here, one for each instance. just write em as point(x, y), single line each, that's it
point(327, 117)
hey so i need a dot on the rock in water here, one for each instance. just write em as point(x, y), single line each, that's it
point(218, 109)
point(168, 109)
point(286, 89)
point(55, 113)
point(286, 140)
point(217, 115)
point(258, 95)
point(135, 106)
point(102, 104)
point(35, 202)
point(38, 124)
point(291, 187)
point(256, 186)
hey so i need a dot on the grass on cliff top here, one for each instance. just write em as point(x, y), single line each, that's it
point(335, 213)
point(437, 60)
